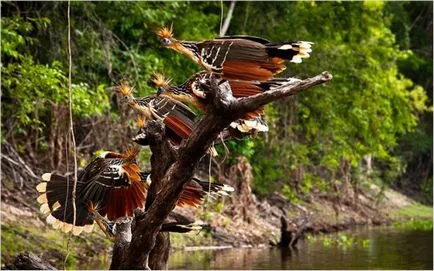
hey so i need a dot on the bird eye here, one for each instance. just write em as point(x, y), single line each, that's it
point(167, 41)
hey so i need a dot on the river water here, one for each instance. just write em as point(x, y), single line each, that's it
point(373, 248)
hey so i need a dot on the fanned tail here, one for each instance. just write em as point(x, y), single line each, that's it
point(177, 222)
point(250, 125)
point(181, 228)
point(292, 51)
point(56, 202)
point(195, 190)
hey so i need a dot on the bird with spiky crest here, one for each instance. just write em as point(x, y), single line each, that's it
point(238, 57)
point(190, 92)
point(110, 187)
point(178, 118)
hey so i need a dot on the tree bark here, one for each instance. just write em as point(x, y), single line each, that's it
point(173, 168)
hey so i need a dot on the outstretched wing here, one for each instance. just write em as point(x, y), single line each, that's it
point(114, 187)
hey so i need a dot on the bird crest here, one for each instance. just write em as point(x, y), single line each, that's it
point(124, 88)
point(160, 81)
point(165, 32)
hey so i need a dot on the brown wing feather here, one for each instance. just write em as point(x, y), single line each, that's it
point(178, 126)
point(254, 114)
point(192, 195)
point(244, 88)
point(123, 201)
point(245, 71)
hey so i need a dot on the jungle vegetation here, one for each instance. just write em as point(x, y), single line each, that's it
point(372, 123)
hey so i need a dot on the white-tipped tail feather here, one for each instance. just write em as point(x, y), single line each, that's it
point(42, 199)
point(227, 188)
point(197, 225)
point(246, 126)
point(212, 151)
point(47, 210)
point(42, 187)
point(46, 177)
point(303, 48)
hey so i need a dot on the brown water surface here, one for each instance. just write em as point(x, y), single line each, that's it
point(374, 248)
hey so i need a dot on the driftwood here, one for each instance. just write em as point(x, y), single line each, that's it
point(29, 261)
point(173, 167)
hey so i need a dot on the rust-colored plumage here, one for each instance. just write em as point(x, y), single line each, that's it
point(177, 117)
point(239, 57)
point(191, 92)
point(110, 185)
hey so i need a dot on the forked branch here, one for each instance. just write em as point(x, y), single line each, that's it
point(222, 109)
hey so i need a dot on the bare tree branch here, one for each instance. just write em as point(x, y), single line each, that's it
point(253, 102)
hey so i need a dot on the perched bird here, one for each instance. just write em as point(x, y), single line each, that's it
point(239, 57)
point(109, 187)
point(191, 92)
point(178, 118)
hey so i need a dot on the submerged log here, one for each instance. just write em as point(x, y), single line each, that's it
point(290, 233)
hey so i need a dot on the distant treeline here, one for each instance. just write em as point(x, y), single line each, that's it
point(372, 123)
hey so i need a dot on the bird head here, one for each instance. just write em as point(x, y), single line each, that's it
point(126, 91)
point(166, 36)
point(161, 83)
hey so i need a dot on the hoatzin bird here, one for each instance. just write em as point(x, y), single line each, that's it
point(190, 92)
point(178, 118)
point(239, 57)
point(109, 187)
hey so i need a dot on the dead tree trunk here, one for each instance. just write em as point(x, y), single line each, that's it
point(173, 167)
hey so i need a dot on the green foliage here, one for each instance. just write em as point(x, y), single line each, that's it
point(415, 211)
point(31, 89)
point(365, 108)
point(370, 107)
point(50, 243)
point(341, 239)
point(289, 193)
point(427, 188)
point(415, 224)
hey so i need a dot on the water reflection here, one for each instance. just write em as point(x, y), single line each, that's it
point(388, 249)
